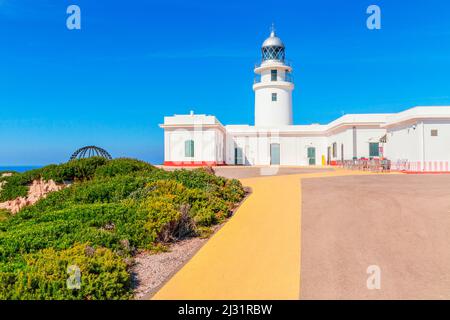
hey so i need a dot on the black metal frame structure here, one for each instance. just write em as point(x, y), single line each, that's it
point(90, 151)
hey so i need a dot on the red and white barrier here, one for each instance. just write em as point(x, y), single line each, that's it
point(193, 163)
point(421, 167)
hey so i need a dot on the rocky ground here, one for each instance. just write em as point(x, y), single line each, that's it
point(39, 189)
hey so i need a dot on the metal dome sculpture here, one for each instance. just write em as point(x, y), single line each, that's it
point(90, 151)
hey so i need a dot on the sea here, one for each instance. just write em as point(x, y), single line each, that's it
point(18, 168)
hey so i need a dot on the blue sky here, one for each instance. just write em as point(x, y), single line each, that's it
point(111, 83)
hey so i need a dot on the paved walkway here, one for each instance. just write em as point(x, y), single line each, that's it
point(256, 255)
point(399, 223)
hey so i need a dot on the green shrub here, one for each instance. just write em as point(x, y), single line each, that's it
point(233, 191)
point(12, 190)
point(122, 166)
point(4, 215)
point(79, 223)
point(117, 206)
point(162, 218)
point(106, 190)
point(45, 273)
point(205, 217)
point(75, 170)
point(197, 178)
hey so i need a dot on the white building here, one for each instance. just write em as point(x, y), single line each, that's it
point(417, 139)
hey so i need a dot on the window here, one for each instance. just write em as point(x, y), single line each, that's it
point(434, 133)
point(312, 156)
point(189, 148)
point(374, 149)
point(334, 149)
point(273, 75)
point(288, 76)
point(238, 156)
point(274, 97)
point(273, 53)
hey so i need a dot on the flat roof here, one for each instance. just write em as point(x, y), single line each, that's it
point(380, 120)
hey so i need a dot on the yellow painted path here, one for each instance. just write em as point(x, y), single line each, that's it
point(256, 254)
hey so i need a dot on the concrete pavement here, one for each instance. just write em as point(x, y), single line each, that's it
point(401, 223)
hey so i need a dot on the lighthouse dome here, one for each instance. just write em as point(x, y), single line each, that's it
point(273, 48)
point(273, 41)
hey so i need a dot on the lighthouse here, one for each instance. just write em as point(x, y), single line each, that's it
point(273, 85)
point(420, 135)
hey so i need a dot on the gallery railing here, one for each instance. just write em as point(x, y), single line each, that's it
point(285, 62)
point(288, 77)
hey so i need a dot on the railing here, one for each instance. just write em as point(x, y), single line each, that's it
point(288, 77)
point(402, 165)
point(373, 165)
point(405, 165)
point(285, 62)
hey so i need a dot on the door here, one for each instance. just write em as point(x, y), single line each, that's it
point(238, 156)
point(312, 156)
point(328, 155)
point(274, 153)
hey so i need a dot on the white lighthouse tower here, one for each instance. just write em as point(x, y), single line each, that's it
point(273, 85)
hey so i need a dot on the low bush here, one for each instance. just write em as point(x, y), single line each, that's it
point(12, 189)
point(52, 274)
point(76, 170)
point(205, 217)
point(4, 215)
point(80, 223)
point(117, 207)
point(123, 166)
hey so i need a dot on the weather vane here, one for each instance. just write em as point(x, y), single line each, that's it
point(272, 28)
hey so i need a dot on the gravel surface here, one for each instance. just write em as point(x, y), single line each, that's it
point(151, 271)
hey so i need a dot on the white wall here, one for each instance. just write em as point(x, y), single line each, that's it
point(208, 145)
point(229, 149)
point(220, 146)
point(273, 113)
point(404, 143)
point(293, 150)
point(344, 137)
point(411, 147)
point(437, 148)
point(364, 136)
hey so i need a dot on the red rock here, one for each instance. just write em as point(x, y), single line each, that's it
point(38, 190)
